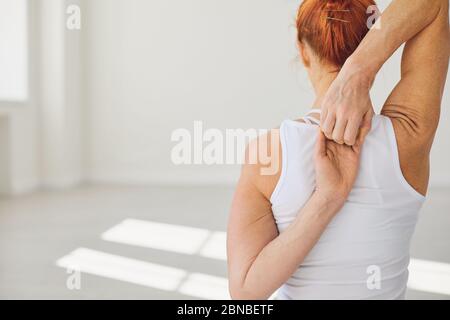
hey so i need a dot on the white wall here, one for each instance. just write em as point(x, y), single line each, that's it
point(41, 141)
point(4, 154)
point(20, 138)
point(60, 97)
point(154, 66)
point(13, 53)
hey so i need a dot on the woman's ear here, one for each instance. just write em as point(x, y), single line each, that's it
point(304, 55)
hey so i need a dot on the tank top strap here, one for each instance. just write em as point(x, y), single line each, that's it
point(307, 120)
point(310, 119)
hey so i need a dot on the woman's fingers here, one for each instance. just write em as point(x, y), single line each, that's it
point(321, 144)
point(327, 124)
point(347, 130)
point(351, 131)
point(323, 114)
point(339, 130)
point(365, 129)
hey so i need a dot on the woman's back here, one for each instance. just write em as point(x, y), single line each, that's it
point(338, 241)
point(364, 251)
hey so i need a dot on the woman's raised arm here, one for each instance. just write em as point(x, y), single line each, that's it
point(414, 105)
point(347, 100)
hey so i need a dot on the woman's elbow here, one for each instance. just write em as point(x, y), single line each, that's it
point(239, 293)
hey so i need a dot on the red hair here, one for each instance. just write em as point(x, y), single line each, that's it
point(333, 28)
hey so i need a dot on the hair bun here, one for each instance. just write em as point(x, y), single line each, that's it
point(333, 28)
point(337, 3)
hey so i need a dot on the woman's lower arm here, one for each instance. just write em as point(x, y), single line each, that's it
point(281, 257)
point(400, 22)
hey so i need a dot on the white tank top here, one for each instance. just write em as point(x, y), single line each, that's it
point(364, 251)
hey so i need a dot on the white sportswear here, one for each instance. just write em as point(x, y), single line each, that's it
point(364, 251)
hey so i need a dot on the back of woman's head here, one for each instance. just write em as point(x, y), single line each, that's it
point(333, 28)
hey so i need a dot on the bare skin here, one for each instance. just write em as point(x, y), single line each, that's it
point(254, 244)
point(347, 100)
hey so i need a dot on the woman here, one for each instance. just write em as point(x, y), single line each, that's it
point(336, 220)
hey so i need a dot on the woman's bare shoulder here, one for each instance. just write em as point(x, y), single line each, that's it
point(262, 163)
point(264, 158)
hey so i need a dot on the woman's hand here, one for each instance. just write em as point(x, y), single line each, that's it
point(347, 107)
point(337, 167)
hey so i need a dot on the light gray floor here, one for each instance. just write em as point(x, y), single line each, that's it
point(37, 229)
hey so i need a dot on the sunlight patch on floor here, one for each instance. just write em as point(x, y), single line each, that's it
point(168, 237)
point(145, 274)
point(124, 269)
point(161, 236)
point(427, 276)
